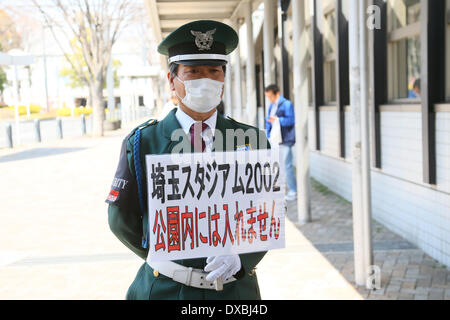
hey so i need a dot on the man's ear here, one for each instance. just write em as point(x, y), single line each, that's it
point(171, 79)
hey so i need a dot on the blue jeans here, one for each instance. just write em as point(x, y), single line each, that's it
point(287, 155)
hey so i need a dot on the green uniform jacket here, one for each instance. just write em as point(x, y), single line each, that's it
point(125, 218)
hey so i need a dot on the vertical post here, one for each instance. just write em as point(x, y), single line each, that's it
point(355, 102)
point(268, 55)
point(124, 100)
point(110, 87)
point(37, 130)
point(268, 35)
point(250, 70)
point(44, 53)
point(83, 124)
point(379, 79)
point(361, 155)
point(365, 139)
point(237, 71)
point(342, 82)
point(133, 99)
point(9, 136)
point(433, 15)
point(16, 103)
point(28, 90)
point(301, 110)
point(59, 129)
point(228, 87)
point(285, 71)
point(317, 65)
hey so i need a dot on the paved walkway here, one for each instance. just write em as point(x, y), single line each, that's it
point(406, 271)
point(55, 242)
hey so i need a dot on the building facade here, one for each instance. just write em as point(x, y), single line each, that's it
point(409, 78)
point(409, 108)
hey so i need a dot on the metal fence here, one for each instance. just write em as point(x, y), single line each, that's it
point(33, 131)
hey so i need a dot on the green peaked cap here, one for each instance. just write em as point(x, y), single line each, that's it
point(200, 42)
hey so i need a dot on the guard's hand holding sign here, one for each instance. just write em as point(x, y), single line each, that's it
point(222, 267)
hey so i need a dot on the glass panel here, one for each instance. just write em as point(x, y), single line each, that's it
point(402, 13)
point(413, 67)
point(404, 68)
point(413, 11)
point(329, 46)
point(404, 55)
point(329, 54)
point(330, 81)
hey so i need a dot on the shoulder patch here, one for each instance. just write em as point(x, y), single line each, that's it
point(241, 125)
point(148, 123)
point(142, 126)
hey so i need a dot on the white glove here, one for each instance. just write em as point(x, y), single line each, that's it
point(222, 266)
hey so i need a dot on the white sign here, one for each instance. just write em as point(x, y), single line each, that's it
point(209, 204)
point(16, 57)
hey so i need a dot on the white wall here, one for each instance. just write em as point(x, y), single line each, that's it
point(401, 145)
point(419, 213)
point(328, 132)
point(348, 135)
point(443, 151)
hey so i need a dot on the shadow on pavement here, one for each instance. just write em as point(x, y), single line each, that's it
point(37, 153)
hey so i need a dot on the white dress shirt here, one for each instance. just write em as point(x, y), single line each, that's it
point(273, 112)
point(208, 135)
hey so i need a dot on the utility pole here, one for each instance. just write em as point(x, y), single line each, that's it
point(361, 197)
point(251, 111)
point(44, 54)
point(301, 111)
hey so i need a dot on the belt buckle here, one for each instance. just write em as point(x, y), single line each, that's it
point(218, 284)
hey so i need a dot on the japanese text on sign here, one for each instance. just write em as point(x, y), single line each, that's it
point(215, 206)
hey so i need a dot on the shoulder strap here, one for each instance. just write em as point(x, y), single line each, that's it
point(139, 179)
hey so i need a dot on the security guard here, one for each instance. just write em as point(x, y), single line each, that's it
point(197, 63)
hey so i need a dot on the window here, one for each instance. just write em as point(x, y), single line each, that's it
point(404, 58)
point(447, 54)
point(329, 54)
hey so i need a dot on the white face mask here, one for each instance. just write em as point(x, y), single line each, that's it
point(202, 95)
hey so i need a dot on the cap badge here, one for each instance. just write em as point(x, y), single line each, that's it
point(205, 40)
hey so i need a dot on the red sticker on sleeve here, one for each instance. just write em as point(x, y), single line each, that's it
point(113, 194)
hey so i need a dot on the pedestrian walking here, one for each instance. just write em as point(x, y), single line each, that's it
point(281, 110)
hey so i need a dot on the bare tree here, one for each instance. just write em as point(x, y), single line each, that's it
point(9, 37)
point(95, 25)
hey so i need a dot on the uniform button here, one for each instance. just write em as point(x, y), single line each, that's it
point(155, 273)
